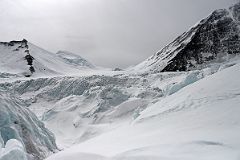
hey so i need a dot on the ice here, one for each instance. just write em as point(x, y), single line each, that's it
point(190, 78)
point(1, 142)
point(17, 122)
point(13, 150)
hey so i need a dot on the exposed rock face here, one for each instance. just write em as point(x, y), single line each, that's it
point(214, 38)
point(22, 45)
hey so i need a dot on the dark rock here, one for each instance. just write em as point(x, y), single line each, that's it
point(32, 70)
point(29, 59)
point(117, 69)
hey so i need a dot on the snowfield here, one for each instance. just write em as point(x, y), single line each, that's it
point(125, 116)
point(200, 121)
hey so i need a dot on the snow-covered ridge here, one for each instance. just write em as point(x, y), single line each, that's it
point(26, 59)
point(214, 39)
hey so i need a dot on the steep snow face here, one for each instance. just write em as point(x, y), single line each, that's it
point(214, 39)
point(24, 58)
point(201, 121)
point(73, 59)
point(17, 122)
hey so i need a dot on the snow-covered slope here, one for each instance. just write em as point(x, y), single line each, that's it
point(24, 58)
point(73, 59)
point(214, 39)
point(200, 122)
point(21, 133)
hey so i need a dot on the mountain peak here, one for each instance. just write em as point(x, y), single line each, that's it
point(215, 38)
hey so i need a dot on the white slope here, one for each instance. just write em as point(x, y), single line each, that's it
point(200, 122)
point(12, 60)
point(47, 62)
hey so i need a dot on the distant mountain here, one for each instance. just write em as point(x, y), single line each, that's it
point(22, 57)
point(215, 38)
point(74, 59)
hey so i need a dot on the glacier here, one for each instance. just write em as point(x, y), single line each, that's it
point(81, 109)
point(200, 121)
point(20, 128)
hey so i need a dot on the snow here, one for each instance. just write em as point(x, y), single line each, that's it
point(12, 61)
point(74, 59)
point(200, 121)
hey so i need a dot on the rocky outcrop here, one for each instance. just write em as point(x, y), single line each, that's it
point(22, 45)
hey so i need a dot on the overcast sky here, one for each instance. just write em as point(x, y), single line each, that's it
point(110, 33)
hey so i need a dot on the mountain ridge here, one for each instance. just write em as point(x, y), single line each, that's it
point(27, 59)
point(213, 38)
